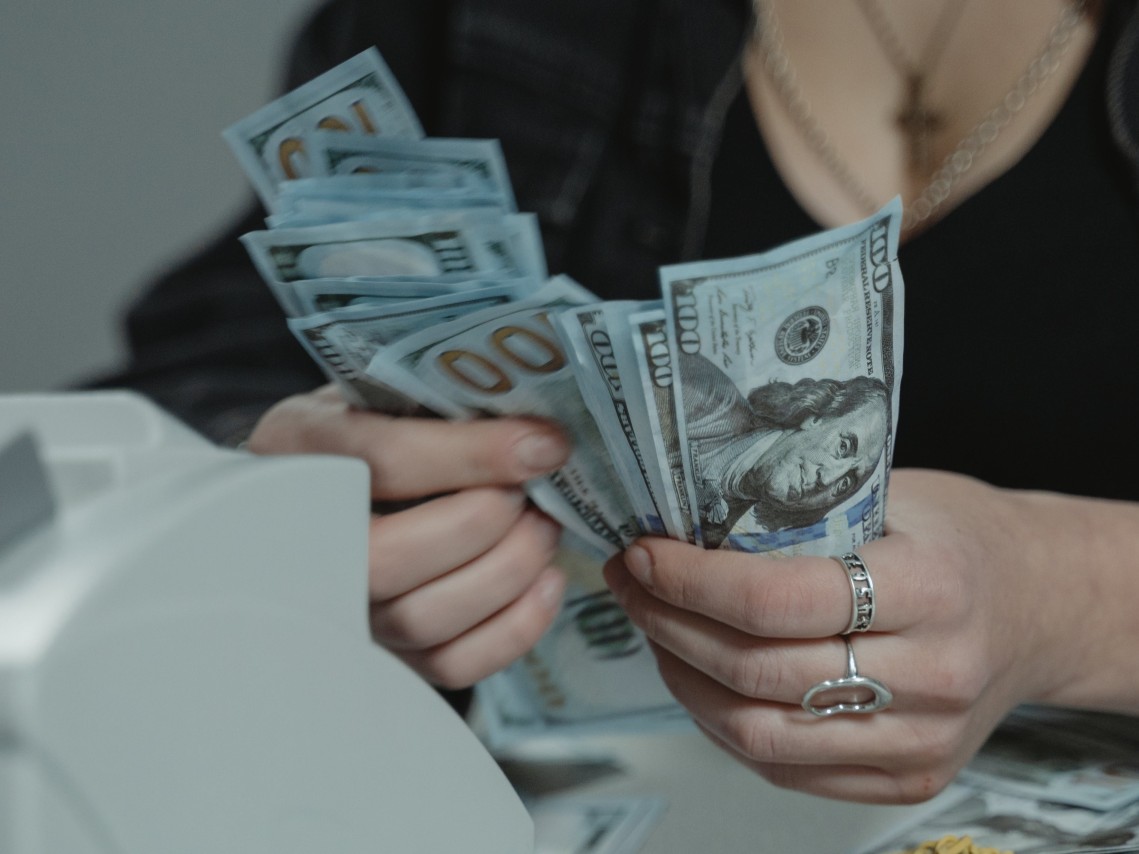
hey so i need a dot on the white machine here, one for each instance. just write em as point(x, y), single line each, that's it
point(185, 663)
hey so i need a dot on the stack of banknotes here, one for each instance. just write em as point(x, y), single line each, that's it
point(1048, 781)
point(752, 407)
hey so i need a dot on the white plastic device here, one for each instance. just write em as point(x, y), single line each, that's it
point(185, 664)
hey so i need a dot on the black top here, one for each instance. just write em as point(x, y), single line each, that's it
point(1020, 305)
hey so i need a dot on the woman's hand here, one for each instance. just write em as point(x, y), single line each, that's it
point(461, 584)
point(977, 610)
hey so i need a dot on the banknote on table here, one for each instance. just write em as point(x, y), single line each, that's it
point(1021, 825)
point(509, 361)
point(475, 164)
point(443, 246)
point(1080, 758)
point(787, 373)
point(359, 95)
point(344, 340)
point(593, 825)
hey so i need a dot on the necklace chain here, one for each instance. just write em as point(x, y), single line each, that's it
point(892, 46)
point(959, 161)
point(915, 119)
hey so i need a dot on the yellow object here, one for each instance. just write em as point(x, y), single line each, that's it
point(953, 845)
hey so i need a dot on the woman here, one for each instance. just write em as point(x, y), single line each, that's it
point(647, 132)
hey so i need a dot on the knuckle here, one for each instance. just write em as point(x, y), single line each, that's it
point(396, 622)
point(445, 668)
point(537, 543)
point(442, 673)
point(935, 749)
point(772, 609)
point(756, 673)
point(753, 740)
point(523, 633)
point(954, 683)
point(383, 557)
point(483, 510)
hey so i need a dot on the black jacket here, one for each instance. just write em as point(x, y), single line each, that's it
point(609, 116)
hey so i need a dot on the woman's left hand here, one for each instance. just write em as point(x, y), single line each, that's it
point(971, 619)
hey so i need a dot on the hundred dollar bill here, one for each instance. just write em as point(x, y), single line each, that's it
point(589, 342)
point(319, 295)
point(592, 672)
point(359, 95)
point(478, 164)
point(787, 377)
point(445, 246)
point(652, 365)
point(1061, 756)
point(1024, 825)
point(508, 361)
point(305, 211)
point(343, 341)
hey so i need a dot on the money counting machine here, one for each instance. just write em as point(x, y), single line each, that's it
point(185, 663)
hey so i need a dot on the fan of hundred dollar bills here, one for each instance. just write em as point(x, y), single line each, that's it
point(752, 407)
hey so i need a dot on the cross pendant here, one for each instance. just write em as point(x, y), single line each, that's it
point(918, 123)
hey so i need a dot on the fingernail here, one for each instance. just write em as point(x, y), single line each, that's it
point(550, 589)
point(640, 564)
point(541, 451)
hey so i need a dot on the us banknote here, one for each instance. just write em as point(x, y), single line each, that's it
point(307, 210)
point(344, 340)
point(586, 334)
point(443, 246)
point(359, 95)
point(1083, 759)
point(509, 361)
point(787, 374)
point(592, 672)
point(652, 365)
point(320, 295)
point(1025, 825)
point(473, 164)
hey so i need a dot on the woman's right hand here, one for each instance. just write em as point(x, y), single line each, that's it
point(461, 584)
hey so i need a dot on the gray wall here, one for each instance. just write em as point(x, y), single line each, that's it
point(111, 159)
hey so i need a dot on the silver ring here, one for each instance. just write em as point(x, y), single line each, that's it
point(882, 695)
point(861, 593)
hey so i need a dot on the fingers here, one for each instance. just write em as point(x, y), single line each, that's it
point(461, 585)
point(497, 641)
point(803, 597)
point(457, 601)
point(770, 669)
point(880, 757)
point(412, 457)
point(413, 547)
point(781, 670)
point(861, 783)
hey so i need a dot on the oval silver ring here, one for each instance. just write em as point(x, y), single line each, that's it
point(882, 696)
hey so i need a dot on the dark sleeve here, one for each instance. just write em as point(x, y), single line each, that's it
point(207, 341)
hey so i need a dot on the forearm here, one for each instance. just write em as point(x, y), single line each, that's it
point(1087, 553)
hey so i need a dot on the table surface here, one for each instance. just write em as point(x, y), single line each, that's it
point(714, 804)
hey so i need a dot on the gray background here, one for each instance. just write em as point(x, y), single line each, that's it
point(111, 161)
